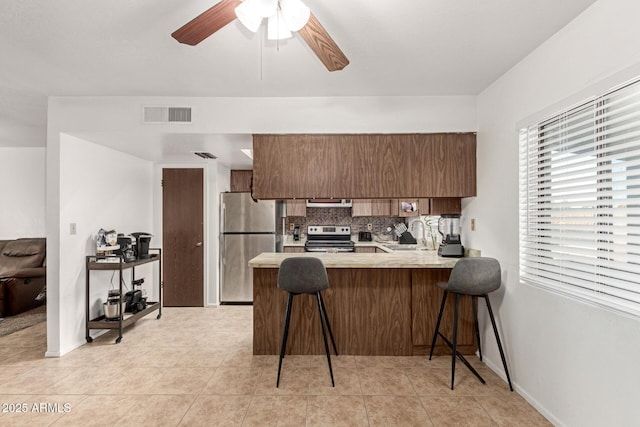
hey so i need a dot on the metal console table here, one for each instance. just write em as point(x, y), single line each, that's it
point(100, 262)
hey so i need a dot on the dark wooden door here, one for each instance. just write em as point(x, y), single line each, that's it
point(182, 237)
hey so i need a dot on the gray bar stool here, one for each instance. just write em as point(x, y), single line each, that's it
point(475, 277)
point(304, 275)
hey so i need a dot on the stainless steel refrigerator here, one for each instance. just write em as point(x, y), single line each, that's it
point(247, 229)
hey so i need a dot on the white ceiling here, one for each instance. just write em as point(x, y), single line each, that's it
point(124, 48)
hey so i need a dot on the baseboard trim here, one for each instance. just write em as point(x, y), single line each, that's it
point(497, 368)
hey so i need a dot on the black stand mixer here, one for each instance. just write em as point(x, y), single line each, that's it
point(449, 229)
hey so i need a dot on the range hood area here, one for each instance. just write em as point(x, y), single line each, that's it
point(329, 203)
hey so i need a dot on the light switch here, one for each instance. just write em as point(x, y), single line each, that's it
point(473, 224)
point(72, 228)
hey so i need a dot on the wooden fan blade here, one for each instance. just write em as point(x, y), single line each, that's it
point(323, 45)
point(207, 23)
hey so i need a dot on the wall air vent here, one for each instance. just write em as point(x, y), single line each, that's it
point(205, 155)
point(166, 114)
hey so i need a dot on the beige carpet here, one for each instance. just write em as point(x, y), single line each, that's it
point(20, 321)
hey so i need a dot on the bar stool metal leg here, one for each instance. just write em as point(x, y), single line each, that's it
point(326, 319)
point(495, 331)
point(285, 334)
point(324, 336)
point(474, 303)
point(455, 339)
point(435, 334)
point(453, 345)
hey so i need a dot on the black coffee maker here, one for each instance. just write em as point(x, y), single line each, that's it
point(126, 250)
point(142, 244)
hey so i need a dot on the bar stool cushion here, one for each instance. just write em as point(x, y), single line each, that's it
point(302, 275)
point(474, 276)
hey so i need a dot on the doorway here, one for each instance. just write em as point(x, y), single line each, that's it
point(182, 237)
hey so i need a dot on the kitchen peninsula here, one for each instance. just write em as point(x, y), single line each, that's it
point(377, 303)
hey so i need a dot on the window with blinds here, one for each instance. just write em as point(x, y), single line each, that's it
point(580, 201)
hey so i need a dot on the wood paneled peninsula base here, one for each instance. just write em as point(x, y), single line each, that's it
point(383, 304)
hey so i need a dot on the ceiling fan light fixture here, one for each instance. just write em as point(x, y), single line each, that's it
point(248, 13)
point(277, 28)
point(295, 13)
point(290, 15)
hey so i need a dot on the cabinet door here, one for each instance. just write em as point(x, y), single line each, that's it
point(424, 206)
point(293, 249)
point(443, 205)
point(375, 207)
point(361, 207)
point(297, 167)
point(296, 208)
point(394, 207)
point(380, 207)
point(240, 180)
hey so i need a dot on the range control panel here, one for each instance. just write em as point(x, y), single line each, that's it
point(329, 230)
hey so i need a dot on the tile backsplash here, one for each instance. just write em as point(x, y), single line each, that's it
point(341, 216)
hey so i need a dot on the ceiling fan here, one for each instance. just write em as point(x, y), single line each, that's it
point(283, 16)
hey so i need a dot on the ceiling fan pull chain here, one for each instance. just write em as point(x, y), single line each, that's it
point(278, 15)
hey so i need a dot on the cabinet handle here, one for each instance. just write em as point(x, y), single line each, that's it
point(198, 244)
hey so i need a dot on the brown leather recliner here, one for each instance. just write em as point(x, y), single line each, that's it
point(23, 275)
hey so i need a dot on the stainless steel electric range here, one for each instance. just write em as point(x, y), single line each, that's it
point(329, 238)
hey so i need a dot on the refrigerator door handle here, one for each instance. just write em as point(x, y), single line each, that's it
point(224, 217)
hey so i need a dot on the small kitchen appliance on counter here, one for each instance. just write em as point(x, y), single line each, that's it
point(142, 244)
point(329, 238)
point(126, 248)
point(364, 236)
point(114, 306)
point(135, 300)
point(449, 229)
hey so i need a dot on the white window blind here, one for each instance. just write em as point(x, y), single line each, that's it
point(580, 201)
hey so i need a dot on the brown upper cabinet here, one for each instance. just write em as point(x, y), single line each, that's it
point(364, 166)
point(296, 208)
point(445, 205)
point(240, 180)
point(375, 207)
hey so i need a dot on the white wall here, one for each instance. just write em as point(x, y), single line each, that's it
point(577, 363)
point(263, 115)
point(98, 188)
point(22, 191)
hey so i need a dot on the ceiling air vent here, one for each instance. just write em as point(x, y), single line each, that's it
point(205, 155)
point(167, 114)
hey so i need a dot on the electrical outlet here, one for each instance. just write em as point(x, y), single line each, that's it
point(72, 228)
point(473, 224)
point(292, 226)
point(369, 227)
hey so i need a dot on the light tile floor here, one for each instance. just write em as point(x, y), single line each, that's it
point(195, 366)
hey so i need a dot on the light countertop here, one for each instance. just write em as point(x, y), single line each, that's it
point(400, 259)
